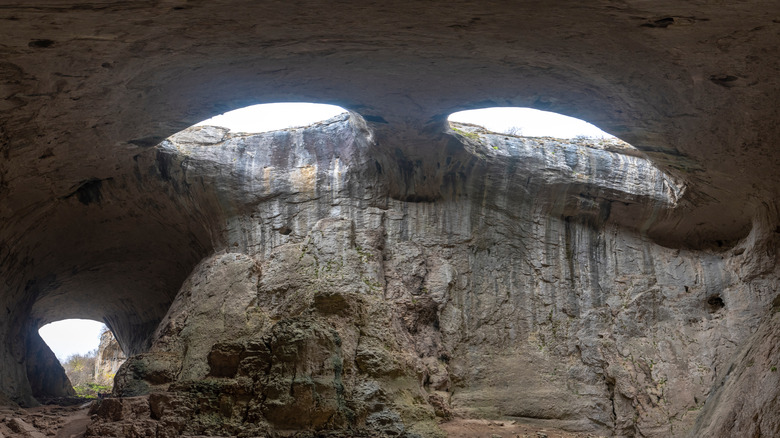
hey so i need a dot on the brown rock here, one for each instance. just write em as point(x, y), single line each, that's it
point(594, 288)
point(118, 409)
point(24, 429)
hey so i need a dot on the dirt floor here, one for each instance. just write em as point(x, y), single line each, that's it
point(59, 421)
point(468, 428)
point(70, 421)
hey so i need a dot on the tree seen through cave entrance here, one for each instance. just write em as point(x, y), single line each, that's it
point(89, 353)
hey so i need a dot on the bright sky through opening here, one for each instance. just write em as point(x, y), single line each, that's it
point(71, 336)
point(273, 116)
point(530, 122)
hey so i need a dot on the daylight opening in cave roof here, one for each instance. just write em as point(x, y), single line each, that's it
point(71, 336)
point(274, 116)
point(529, 122)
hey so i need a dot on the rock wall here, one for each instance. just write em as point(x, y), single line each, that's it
point(109, 358)
point(744, 401)
point(45, 373)
point(365, 289)
point(95, 226)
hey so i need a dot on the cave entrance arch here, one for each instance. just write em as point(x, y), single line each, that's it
point(72, 357)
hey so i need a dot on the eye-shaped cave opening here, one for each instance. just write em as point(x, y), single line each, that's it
point(530, 123)
point(274, 116)
point(230, 142)
point(242, 158)
point(72, 358)
point(574, 168)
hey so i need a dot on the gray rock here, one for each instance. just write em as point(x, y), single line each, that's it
point(108, 359)
point(540, 303)
point(744, 400)
point(386, 423)
point(99, 222)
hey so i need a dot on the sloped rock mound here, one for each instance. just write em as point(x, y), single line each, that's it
point(302, 341)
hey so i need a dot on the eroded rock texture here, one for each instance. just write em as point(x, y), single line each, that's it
point(584, 287)
point(108, 359)
point(45, 373)
point(519, 291)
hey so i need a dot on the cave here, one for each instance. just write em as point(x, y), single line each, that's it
point(86, 351)
point(386, 273)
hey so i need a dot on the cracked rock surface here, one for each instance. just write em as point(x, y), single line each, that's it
point(583, 286)
point(379, 316)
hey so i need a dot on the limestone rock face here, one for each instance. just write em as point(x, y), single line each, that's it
point(745, 399)
point(580, 286)
point(302, 340)
point(109, 358)
point(334, 308)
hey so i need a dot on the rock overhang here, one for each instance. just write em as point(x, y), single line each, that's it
point(595, 170)
point(694, 89)
point(578, 182)
point(566, 184)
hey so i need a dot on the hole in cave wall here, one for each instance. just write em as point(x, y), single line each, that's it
point(715, 303)
point(542, 127)
point(274, 116)
point(85, 350)
point(642, 192)
point(529, 122)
